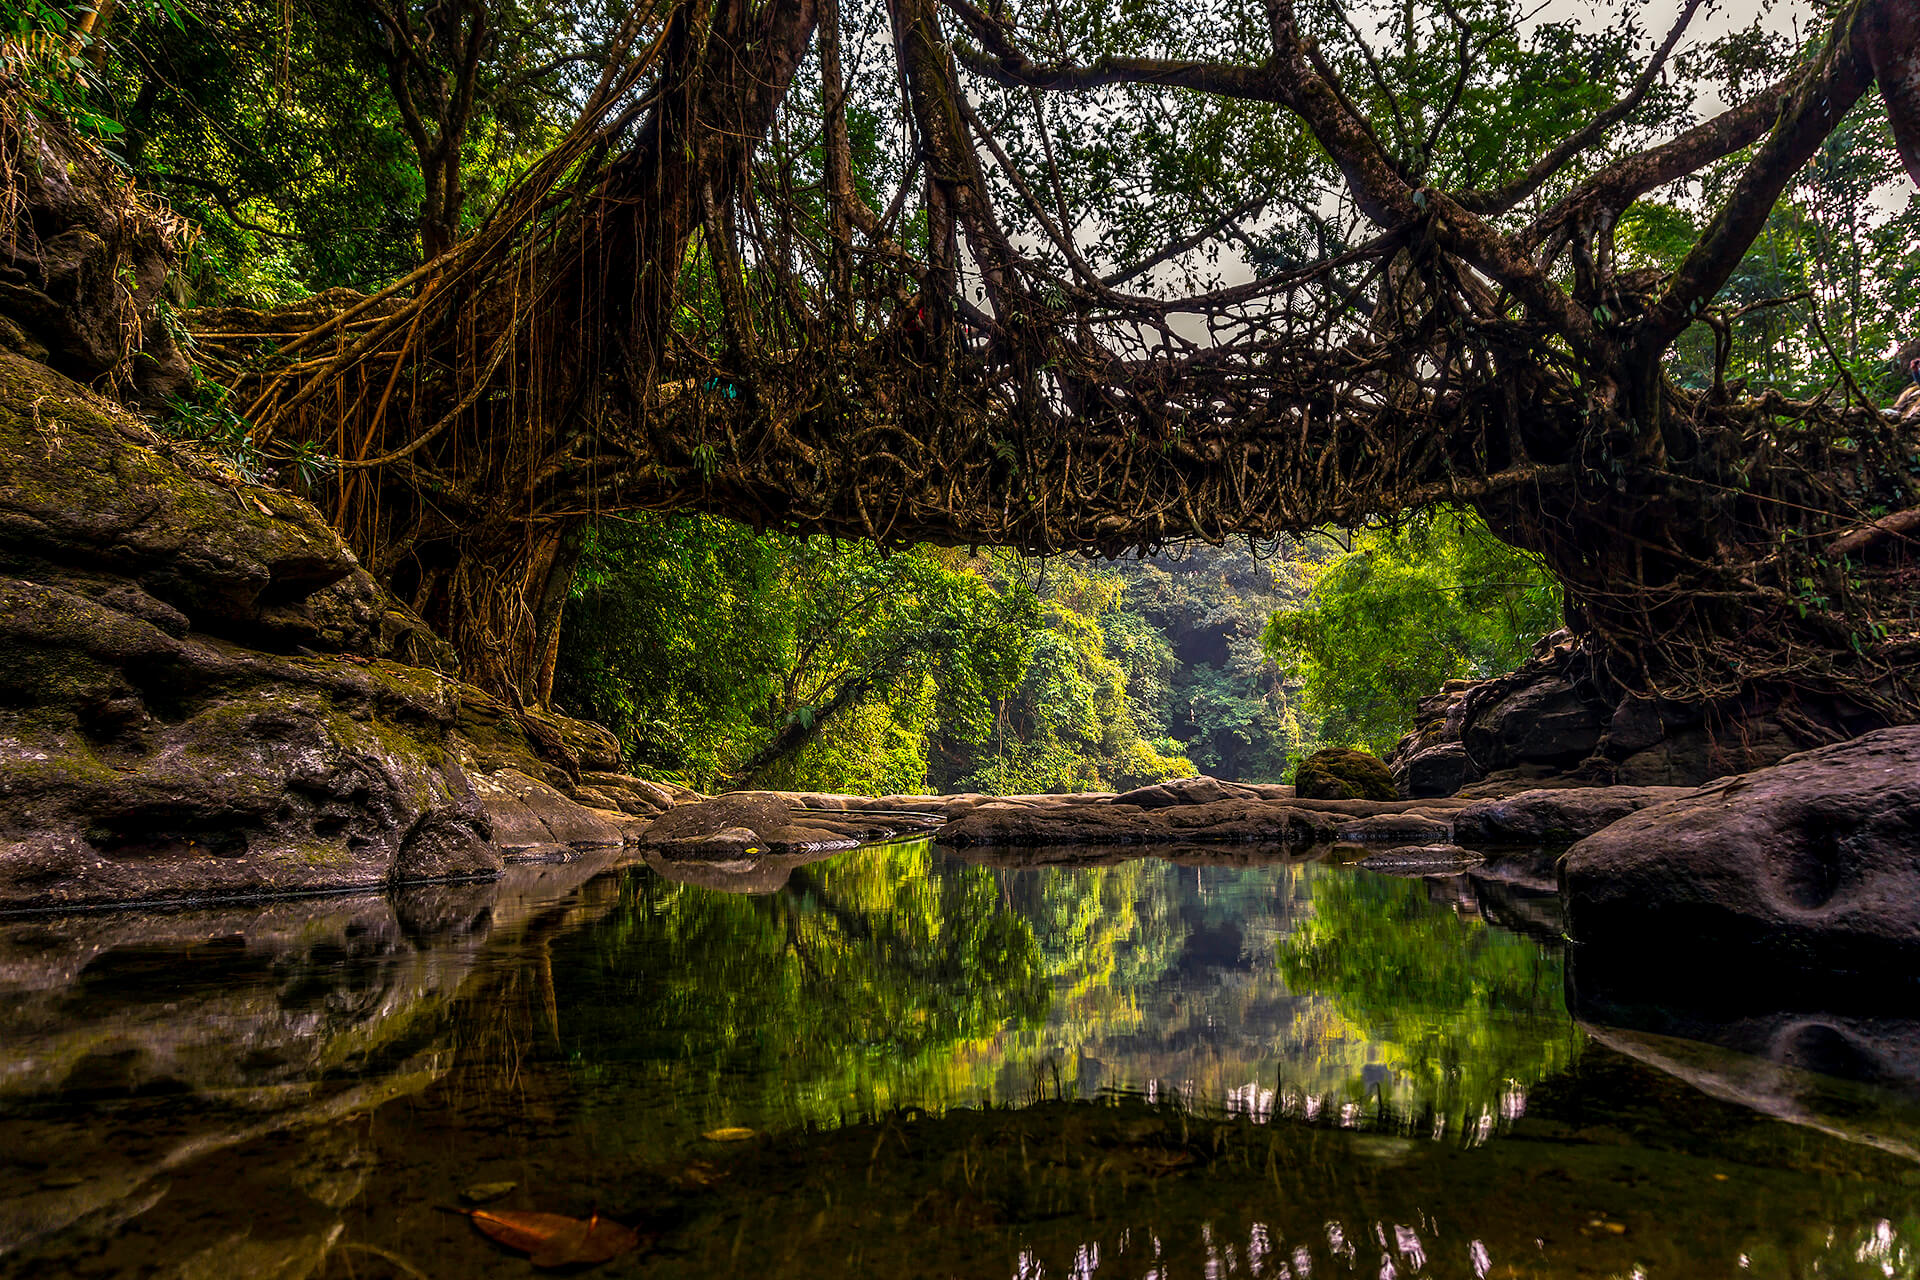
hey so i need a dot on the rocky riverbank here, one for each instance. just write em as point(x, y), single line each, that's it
point(203, 696)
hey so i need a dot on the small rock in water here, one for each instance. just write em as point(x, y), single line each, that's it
point(1421, 860)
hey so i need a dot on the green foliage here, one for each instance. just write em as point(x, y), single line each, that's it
point(274, 126)
point(1218, 692)
point(674, 640)
point(59, 59)
point(1077, 720)
point(704, 646)
point(701, 643)
point(207, 417)
point(1409, 608)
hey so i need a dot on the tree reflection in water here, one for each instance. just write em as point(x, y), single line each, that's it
point(1260, 1053)
point(894, 976)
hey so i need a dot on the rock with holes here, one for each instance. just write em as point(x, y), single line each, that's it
point(1802, 870)
point(197, 692)
point(137, 764)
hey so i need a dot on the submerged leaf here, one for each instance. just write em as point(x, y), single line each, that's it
point(732, 1134)
point(555, 1240)
point(482, 1192)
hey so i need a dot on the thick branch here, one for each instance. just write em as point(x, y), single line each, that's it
point(1621, 183)
point(1526, 184)
point(1816, 107)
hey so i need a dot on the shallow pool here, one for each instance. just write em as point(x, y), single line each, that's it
point(897, 1062)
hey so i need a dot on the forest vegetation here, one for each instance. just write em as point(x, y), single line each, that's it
point(530, 296)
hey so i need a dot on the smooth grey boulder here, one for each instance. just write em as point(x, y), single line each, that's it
point(1803, 870)
point(1553, 816)
point(527, 812)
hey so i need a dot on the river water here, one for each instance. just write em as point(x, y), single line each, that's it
point(901, 1062)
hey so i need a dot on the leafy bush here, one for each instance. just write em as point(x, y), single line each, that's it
point(1436, 599)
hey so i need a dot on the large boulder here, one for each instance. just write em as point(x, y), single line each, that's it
point(1544, 722)
point(203, 695)
point(136, 764)
point(1340, 773)
point(1803, 870)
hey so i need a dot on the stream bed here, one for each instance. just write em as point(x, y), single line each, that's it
point(897, 1061)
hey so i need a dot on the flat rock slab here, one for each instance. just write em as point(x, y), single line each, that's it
point(1421, 860)
point(1396, 828)
point(1222, 822)
point(1800, 871)
point(1441, 808)
point(750, 824)
point(1551, 816)
point(1201, 790)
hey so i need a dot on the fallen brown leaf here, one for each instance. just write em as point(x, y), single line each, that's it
point(555, 1240)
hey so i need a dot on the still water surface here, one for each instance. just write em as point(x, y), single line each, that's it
point(1237, 1066)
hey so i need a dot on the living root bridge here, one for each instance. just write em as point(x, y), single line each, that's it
point(682, 310)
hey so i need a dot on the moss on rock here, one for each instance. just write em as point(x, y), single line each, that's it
point(1341, 773)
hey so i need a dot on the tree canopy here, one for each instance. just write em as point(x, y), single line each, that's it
point(1111, 275)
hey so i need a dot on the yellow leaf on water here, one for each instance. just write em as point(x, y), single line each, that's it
point(733, 1134)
